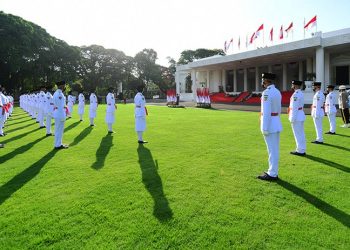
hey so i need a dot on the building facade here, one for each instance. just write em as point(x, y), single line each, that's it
point(324, 58)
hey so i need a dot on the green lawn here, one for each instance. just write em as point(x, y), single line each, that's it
point(193, 186)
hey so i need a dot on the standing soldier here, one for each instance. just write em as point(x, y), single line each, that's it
point(344, 106)
point(49, 111)
point(71, 100)
point(140, 114)
point(270, 125)
point(81, 106)
point(330, 109)
point(317, 111)
point(110, 111)
point(59, 114)
point(2, 112)
point(41, 106)
point(93, 107)
point(297, 117)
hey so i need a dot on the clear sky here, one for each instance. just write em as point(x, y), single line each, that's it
point(171, 26)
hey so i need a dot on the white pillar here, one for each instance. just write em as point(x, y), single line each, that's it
point(194, 85)
point(208, 78)
point(223, 79)
point(300, 77)
point(320, 66)
point(284, 76)
point(314, 64)
point(245, 79)
point(177, 81)
point(257, 84)
point(234, 80)
point(327, 78)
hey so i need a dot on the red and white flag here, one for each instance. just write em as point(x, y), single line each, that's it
point(289, 29)
point(281, 32)
point(271, 34)
point(257, 33)
point(252, 38)
point(311, 23)
point(229, 44)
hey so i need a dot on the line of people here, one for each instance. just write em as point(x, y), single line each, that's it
point(271, 126)
point(6, 109)
point(44, 107)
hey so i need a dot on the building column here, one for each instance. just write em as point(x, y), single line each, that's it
point(234, 80)
point(284, 77)
point(314, 64)
point(223, 79)
point(194, 85)
point(300, 77)
point(208, 79)
point(327, 79)
point(320, 66)
point(257, 83)
point(245, 79)
point(178, 83)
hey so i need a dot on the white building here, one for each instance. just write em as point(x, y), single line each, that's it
point(327, 55)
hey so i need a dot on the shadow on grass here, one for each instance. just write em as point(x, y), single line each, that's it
point(73, 125)
point(81, 136)
point(326, 208)
point(153, 184)
point(343, 135)
point(20, 136)
point(19, 120)
point(18, 181)
point(102, 151)
point(19, 128)
point(20, 150)
point(335, 146)
point(329, 163)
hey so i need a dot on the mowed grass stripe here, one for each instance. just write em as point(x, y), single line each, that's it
point(192, 186)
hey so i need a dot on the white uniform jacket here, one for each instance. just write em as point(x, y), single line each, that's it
point(59, 101)
point(317, 109)
point(296, 107)
point(271, 110)
point(330, 103)
point(140, 103)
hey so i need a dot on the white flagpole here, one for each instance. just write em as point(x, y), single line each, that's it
point(304, 27)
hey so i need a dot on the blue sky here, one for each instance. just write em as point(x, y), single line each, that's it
point(169, 26)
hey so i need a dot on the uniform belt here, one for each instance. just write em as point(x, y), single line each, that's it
point(272, 114)
point(315, 107)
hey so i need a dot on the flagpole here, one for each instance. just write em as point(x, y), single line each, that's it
point(316, 23)
point(304, 27)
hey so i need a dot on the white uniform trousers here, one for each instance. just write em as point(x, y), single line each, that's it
point(48, 124)
point(331, 119)
point(1, 125)
point(59, 128)
point(70, 108)
point(299, 136)
point(318, 128)
point(140, 123)
point(273, 148)
point(41, 118)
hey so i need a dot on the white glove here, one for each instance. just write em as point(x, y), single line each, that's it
point(265, 132)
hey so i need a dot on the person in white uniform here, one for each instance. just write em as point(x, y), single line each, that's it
point(270, 124)
point(81, 106)
point(140, 114)
point(59, 114)
point(330, 109)
point(2, 111)
point(41, 106)
point(93, 107)
point(70, 104)
point(49, 109)
point(317, 111)
point(110, 110)
point(296, 116)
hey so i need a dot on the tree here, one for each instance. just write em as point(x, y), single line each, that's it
point(188, 56)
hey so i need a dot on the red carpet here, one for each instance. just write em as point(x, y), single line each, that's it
point(221, 97)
